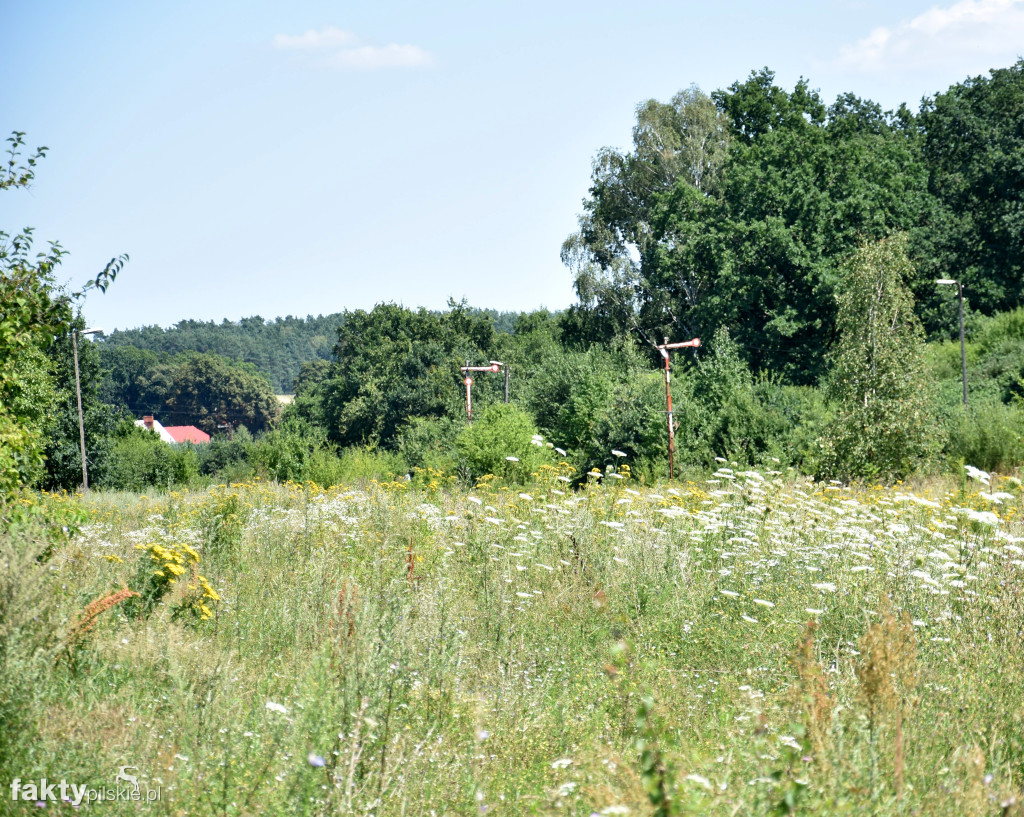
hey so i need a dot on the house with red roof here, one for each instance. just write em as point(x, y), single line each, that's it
point(187, 434)
point(174, 434)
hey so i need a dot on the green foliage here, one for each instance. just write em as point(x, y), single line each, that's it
point(602, 399)
point(63, 445)
point(278, 348)
point(503, 441)
point(359, 465)
point(226, 456)
point(974, 144)
point(429, 442)
point(393, 364)
point(139, 459)
point(883, 426)
point(211, 392)
point(32, 312)
point(795, 187)
point(988, 434)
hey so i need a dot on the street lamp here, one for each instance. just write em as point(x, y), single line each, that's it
point(78, 392)
point(963, 349)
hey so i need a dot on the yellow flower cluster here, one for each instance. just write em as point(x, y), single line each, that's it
point(172, 562)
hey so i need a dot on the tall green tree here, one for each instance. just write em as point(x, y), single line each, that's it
point(756, 248)
point(393, 364)
point(974, 146)
point(883, 426)
point(636, 267)
point(32, 312)
point(211, 392)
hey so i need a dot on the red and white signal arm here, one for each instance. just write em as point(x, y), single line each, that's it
point(469, 381)
point(495, 367)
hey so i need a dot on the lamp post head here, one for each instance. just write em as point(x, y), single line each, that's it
point(945, 281)
point(93, 331)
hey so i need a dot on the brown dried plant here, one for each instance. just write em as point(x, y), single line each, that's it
point(85, 622)
point(887, 676)
point(811, 693)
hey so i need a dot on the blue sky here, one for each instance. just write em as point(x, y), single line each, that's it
point(309, 157)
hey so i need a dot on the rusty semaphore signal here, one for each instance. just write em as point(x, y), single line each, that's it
point(495, 366)
point(665, 348)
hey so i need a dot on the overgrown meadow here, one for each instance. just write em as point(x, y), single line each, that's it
point(755, 643)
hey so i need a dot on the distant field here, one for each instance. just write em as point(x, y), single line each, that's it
point(755, 644)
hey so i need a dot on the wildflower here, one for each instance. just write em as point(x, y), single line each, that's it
point(566, 789)
point(749, 619)
point(527, 497)
point(316, 760)
point(978, 474)
point(617, 453)
point(730, 593)
point(763, 603)
point(276, 707)
point(512, 459)
point(562, 763)
point(825, 587)
point(483, 734)
point(699, 779)
point(561, 451)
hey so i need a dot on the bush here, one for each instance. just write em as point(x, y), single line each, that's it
point(988, 435)
point(138, 460)
point(363, 464)
point(429, 442)
point(503, 431)
point(227, 459)
point(602, 399)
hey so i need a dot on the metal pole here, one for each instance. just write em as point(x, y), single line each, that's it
point(506, 384)
point(81, 418)
point(469, 400)
point(963, 347)
point(671, 429)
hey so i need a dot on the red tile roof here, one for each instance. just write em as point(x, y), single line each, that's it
point(187, 434)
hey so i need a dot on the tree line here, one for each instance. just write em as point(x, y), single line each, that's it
point(800, 240)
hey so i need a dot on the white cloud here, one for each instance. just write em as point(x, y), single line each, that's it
point(312, 40)
point(341, 49)
point(976, 33)
point(388, 56)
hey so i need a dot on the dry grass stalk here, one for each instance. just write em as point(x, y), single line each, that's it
point(886, 674)
point(94, 609)
point(811, 691)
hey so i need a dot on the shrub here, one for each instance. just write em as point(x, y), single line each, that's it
point(138, 460)
point(429, 442)
point(987, 434)
point(503, 442)
point(362, 464)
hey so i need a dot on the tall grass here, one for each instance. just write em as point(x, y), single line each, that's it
point(755, 643)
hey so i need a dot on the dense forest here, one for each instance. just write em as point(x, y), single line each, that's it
point(804, 242)
point(278, 347)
